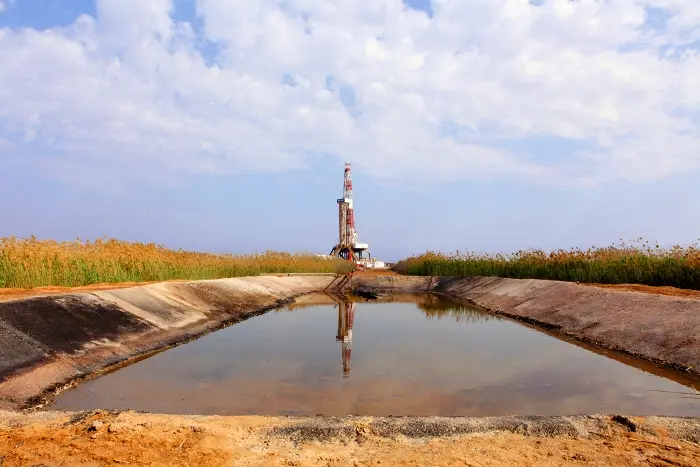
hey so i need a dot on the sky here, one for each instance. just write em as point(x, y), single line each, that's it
point(224, 125)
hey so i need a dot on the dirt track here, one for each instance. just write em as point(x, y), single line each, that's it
point(103, 438)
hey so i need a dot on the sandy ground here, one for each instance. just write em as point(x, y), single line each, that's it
point(128, 438)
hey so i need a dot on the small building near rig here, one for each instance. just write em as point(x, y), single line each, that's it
point(349, 246)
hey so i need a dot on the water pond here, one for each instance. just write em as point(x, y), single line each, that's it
point(418, 355)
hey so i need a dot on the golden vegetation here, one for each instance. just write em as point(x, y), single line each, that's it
point(628, 263)
point(27, 263)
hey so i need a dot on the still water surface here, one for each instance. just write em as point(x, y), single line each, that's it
point(426, 358)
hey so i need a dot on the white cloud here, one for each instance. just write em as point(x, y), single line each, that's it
point(131, 88)
point(2, 6)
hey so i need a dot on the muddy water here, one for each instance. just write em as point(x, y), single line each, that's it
point(429, 357)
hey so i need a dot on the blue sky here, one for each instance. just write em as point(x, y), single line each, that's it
point(223, 125)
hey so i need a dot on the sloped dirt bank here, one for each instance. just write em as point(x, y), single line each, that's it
point(128, 438)
point(659, 328)
point(47, 342)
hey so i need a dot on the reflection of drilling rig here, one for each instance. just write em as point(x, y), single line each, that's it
point(348, 246)
point(346, 316)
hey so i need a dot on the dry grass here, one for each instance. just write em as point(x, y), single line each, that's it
point(27, 263)
point(628, 263)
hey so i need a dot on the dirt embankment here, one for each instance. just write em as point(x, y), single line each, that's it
point(128, 438)
point(47, 341)
point(660, 328)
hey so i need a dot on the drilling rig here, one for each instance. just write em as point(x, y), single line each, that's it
point(349, 246)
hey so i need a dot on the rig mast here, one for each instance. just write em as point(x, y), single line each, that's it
point(348, 246)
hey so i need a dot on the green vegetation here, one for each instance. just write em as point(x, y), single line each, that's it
point(28, 263)
point(638, 263)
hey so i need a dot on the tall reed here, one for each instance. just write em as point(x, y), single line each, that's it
point(28, 263)
point(635, 262)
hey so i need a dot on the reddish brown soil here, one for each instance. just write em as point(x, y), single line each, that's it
point(15, 293)
point(145, 439)
point(665, 290)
